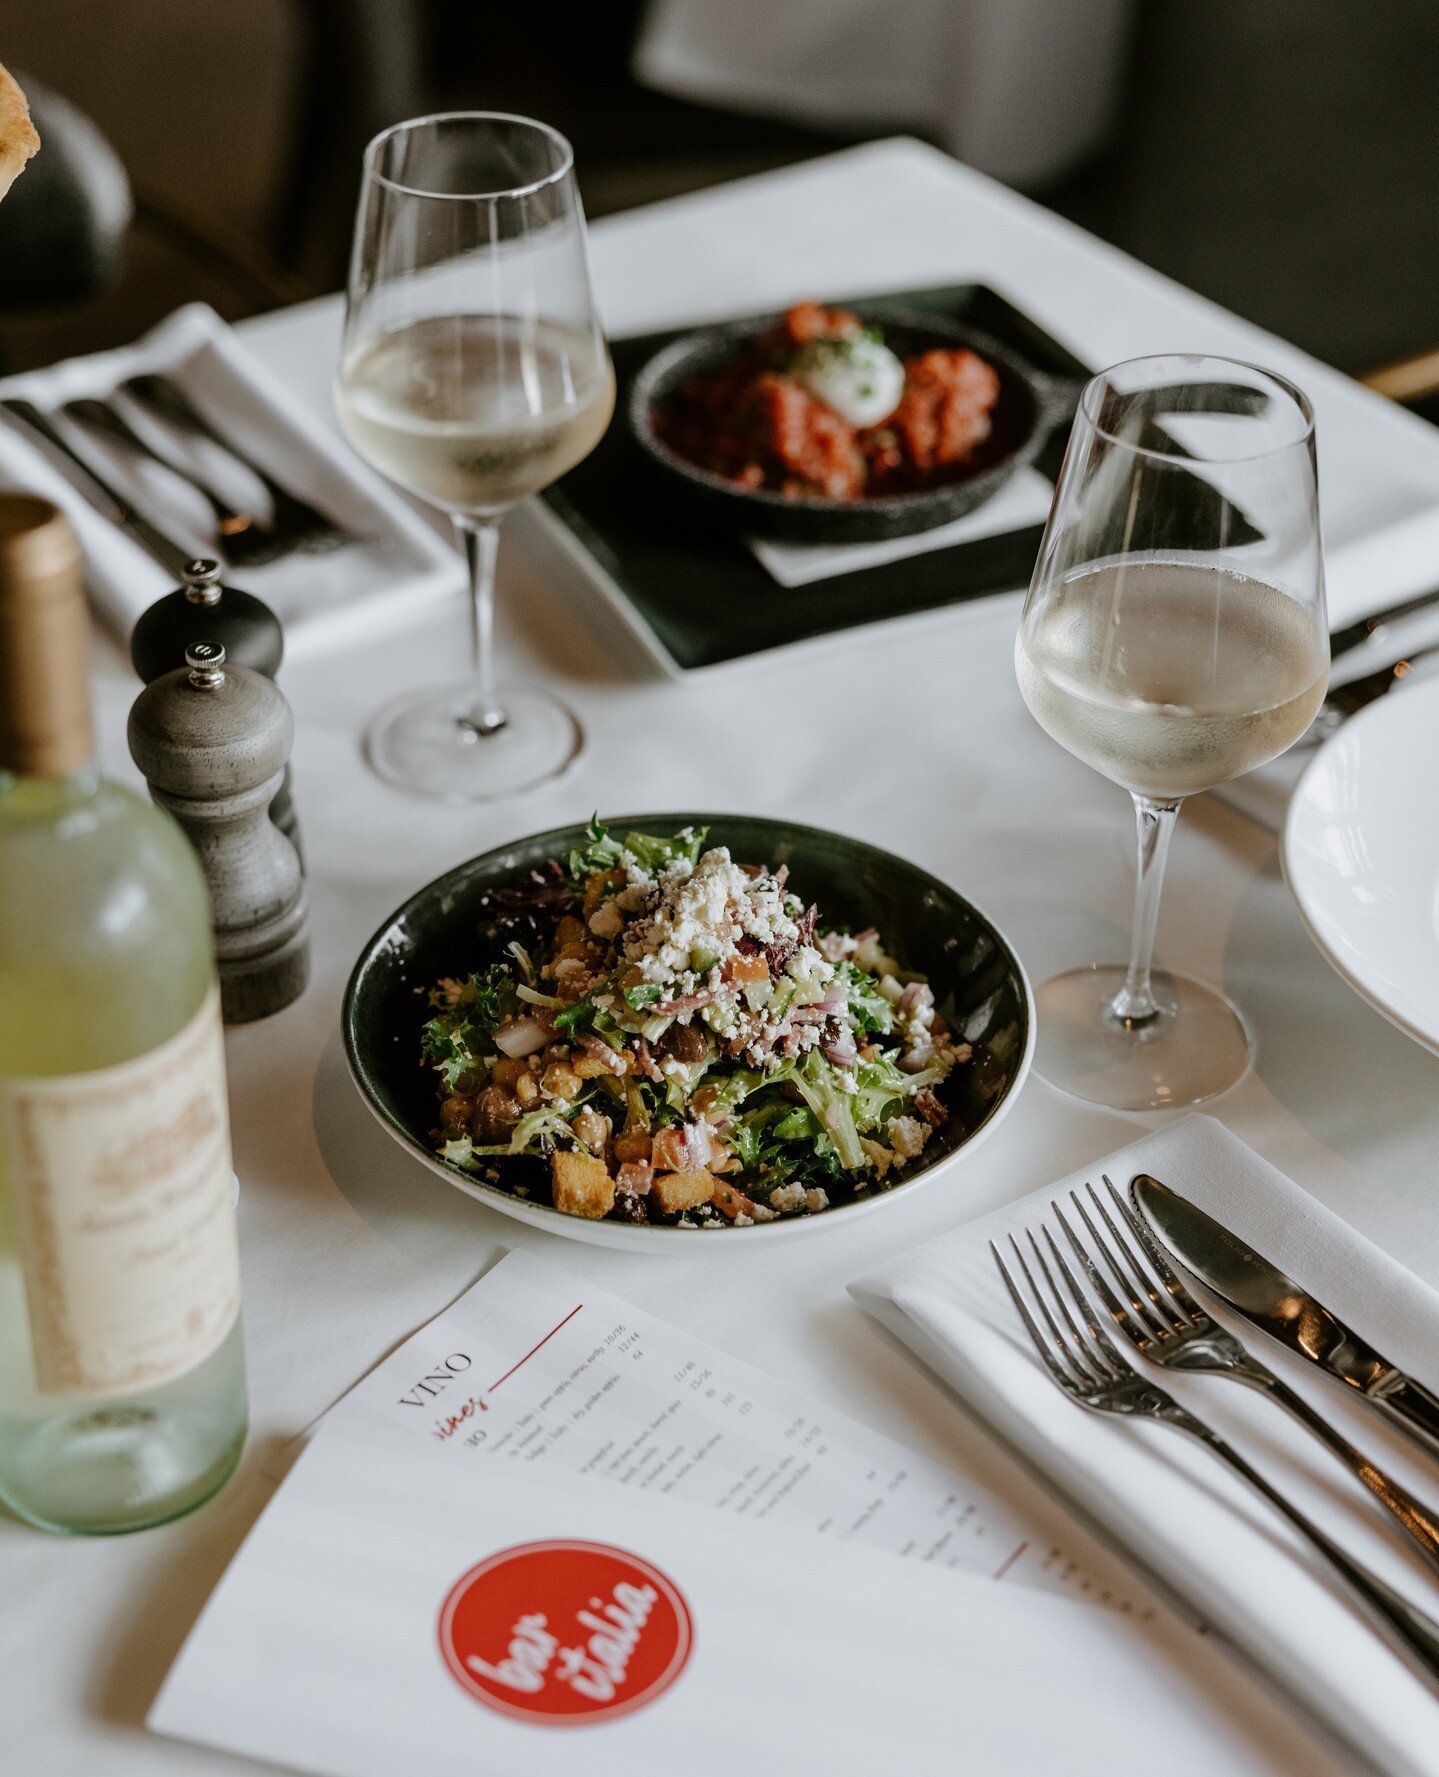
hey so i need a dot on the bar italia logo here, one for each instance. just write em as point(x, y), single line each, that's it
point(565, 1633)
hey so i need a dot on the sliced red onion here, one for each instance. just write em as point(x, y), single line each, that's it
point(521, 1036)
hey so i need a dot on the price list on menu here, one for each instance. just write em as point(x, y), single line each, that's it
point(533, 1367)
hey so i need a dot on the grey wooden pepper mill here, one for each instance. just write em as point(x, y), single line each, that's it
point(213, 741)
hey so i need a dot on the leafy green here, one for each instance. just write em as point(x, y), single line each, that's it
point(456, 1037)
point(821, 1085)
point(601, 850)
point(646, 994)
point(870, 1010)
point(652, 853)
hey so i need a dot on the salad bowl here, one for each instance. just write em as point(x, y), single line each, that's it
point(978, 982)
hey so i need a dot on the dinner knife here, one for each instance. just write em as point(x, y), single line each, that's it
point(1354, 635)
point(1284, 1309)
point(104, 498)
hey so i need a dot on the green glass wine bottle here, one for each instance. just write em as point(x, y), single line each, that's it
point(122, 1375)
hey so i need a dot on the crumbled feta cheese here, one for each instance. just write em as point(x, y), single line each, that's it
point(907, 1135)
point(787, 1197)
point(816, 1199)
point(607, 921)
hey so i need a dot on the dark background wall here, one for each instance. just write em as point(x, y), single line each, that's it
point(1281, 156)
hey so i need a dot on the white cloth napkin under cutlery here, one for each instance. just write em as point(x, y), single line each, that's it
point(1181, 1514)
point(396, 558)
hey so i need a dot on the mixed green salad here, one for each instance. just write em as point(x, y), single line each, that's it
point(676, 1039)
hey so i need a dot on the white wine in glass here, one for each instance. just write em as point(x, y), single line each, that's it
point(1174, 637)
point(473, 374)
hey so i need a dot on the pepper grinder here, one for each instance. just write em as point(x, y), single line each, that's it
point(244, 626)
point(212, 740)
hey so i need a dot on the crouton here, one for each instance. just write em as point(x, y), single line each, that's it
point(634, 1144)
point(598, 884)
point(582, 1186)
point(569, 931)
point(675, 1191)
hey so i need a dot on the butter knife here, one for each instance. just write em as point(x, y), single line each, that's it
point(102, 496)
point(1274, 1303)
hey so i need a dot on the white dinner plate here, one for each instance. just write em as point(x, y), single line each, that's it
point(1361, 856)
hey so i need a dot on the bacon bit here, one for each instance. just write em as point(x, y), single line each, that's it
point(683, 1149)
point(731, 1203)
point(601, 1051)
point(690, 1002)
point(646, 1063)
point(636, 1176)
point(929, 1107)
point(806, 925)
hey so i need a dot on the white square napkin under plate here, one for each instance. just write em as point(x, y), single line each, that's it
point(1181, 1514)
point(396, 562)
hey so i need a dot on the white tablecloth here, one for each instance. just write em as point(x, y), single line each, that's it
point(348, 1244)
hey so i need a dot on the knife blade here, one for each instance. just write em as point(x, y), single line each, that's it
point(105, 499)
point(1284, 1309)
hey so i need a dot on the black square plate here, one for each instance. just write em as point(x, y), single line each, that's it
point(696, 585)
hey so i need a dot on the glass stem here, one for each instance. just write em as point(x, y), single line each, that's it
point(481, 538)
point(1135, 1004)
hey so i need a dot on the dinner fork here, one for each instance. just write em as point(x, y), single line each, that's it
point(1084, 1362)
point(1170, 1328)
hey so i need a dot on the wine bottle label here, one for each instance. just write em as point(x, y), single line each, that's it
point(120, 1186)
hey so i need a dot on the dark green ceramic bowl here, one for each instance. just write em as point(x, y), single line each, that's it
point(978, 981)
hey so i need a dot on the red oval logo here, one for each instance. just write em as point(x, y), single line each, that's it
point(565, 1633)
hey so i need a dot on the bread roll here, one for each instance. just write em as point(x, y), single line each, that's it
point(18, 140)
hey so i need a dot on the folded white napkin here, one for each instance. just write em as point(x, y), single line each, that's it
point(1020, 503)
point(1173, 1506)
point(397, 559)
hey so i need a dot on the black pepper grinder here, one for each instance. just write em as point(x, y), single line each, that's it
point(243, 625)
point(212, 740)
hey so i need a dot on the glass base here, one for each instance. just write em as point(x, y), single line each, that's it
point(426, 742)
point(112, 1469)
point(1196, 1047)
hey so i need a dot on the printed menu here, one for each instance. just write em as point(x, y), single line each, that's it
point(533, 1370)
point(390, 1615)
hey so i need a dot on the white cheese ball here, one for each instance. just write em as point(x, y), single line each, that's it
point(859, 377)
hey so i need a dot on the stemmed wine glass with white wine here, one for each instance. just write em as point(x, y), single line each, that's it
point(473, 372)
point(1174, 637)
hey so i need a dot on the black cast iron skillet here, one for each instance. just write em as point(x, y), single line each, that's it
point(1030, 406)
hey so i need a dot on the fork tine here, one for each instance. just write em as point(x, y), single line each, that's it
point(1114, 1367)
point(1158, 1258)
point(1041, 1345)
point(1075, 1350)
point(1161, 1311)
point(1138, 1331)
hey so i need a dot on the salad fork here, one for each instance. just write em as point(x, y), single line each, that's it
point(1087, 1366)
point(1171, 1329)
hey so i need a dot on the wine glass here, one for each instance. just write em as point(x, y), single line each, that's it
point(472, 372)
point(1174, 637)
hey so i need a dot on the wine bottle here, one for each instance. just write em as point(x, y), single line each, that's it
point(122, 1377)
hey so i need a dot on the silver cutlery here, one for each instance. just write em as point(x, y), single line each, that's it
point(293, 522)
point(232, 526)
point(106, 500)
point(1087, 1366)
point(1344, 701)
point(1169, 1327)
point(1246, 1282)
point(1354, 635)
